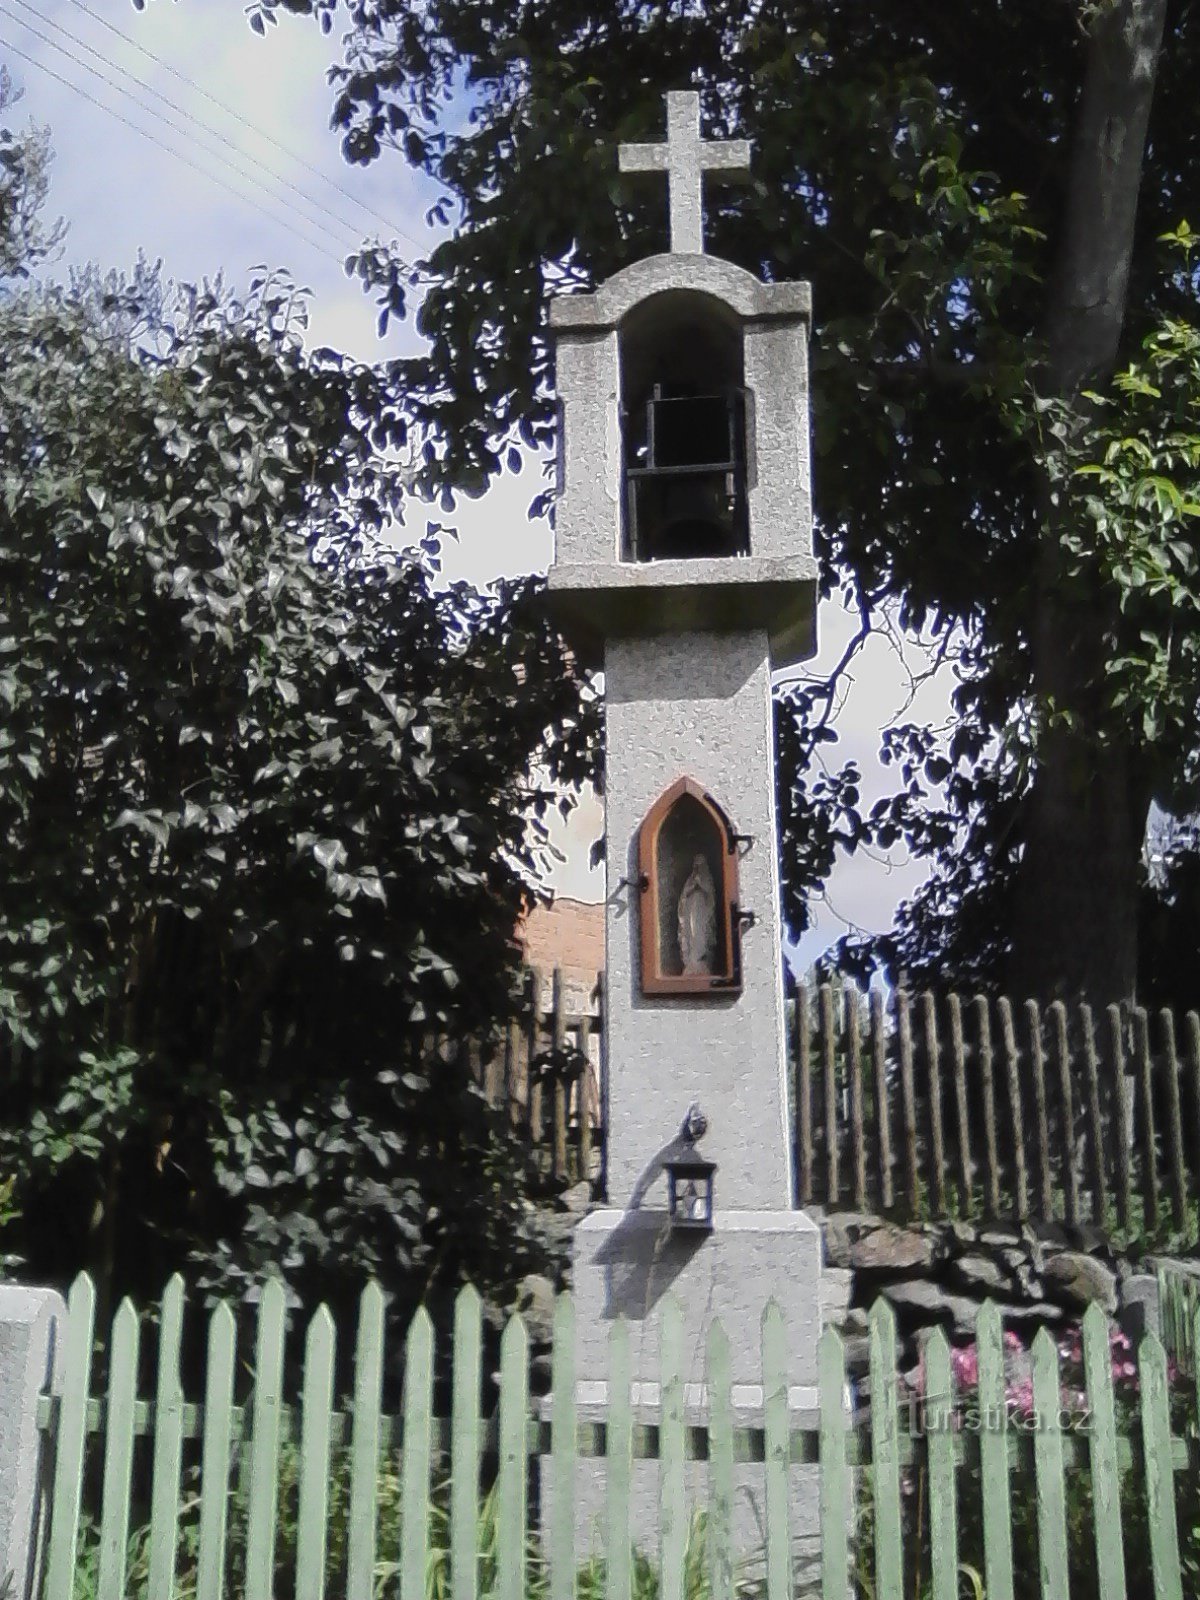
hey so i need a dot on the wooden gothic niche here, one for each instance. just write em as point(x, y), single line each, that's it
point(687, 870)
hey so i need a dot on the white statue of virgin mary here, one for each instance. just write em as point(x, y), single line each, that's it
point(698, 920)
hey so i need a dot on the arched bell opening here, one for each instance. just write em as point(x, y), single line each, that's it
point(683, 416)
point(687, 870)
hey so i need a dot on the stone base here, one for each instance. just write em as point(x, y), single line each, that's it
point(625, 1265)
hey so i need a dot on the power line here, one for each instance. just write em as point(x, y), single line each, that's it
point(180, 155)
point(230, 111)
point(309, 216)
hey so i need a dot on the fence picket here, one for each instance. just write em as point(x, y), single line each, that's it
point(215, 1453)
point(1037, 1069)
point(858, 1142)
point(1160, 1474)
point(1174, 1121)
point(777, 1446)
point(908, 1104)
point(1102, 1456)
point(933, 1073)
point(1066, 1100)
point(1145, 1081)
point(672, 1507)
point(619, 1464)
point(417, 1456)
point(361, 1531)
point(993, 1455)
point(513, 1476)
point(72, 1436)
point(958, 1056)
point(983, 1038)
point(939, 1424)
point(465, 1408)
point(1095, 1121)
point(118, 1453)
point(1048, 1470)
point(168, 1446)
point(720, 1464)
point(835, 1475)
point(1124, 1136)
point(312, 1511)
point(829, 1075)
point(264, 1443)
point(563, 1448)
point(1012, 1073)
point(885, 1455)
point(883, 1119)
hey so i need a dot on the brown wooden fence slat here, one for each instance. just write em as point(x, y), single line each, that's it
point(804, 1120)
point(958, 1061)
point(883, 1117)
point(1145, 1082)
point(829, 1066)
point(858, 1140)
point(1066, 1104)
point(1095, 1121)
point(1037, 1068)
point(1174, 1121)
point(512, 1071)
point(1123, 1138)
point(533, 1044)
point(991, 1150)
point(908, 1102)
point(1012, 1075)
point(933, 1073)
point(1192, 1023)
point(558, 1038)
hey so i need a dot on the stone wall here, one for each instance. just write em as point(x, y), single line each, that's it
point(938, 1274)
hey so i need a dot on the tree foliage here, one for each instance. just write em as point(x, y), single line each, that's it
point(265, 802)
point(977, 196)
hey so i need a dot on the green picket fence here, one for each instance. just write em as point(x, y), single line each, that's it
point(194, 1496)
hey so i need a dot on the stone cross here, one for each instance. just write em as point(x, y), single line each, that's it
point(685, 158)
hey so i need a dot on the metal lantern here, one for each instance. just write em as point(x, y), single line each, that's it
point(690, 1189)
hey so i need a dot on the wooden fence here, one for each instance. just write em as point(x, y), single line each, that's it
point(924, 1106)
point(919, 1106)
point(255, 1492)
point(548, 1073)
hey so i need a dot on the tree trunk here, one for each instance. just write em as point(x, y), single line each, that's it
point(1075, 928)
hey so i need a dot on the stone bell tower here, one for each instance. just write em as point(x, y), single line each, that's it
point(684, 567)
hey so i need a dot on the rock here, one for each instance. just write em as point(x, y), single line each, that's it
point(891, 1249)
point(1140, 1312)
point(535, 1302)
point(1093, 1241)
point(858, 1354)
point(1185, 1264)
point(963, 1233)
point(841, 1229)
point(1000, 1235)
point(855, 1322)
point(979, 1273)
point(1032, 1311)
point(577, 1199)
point(930, 1302)
point(1079, 1280)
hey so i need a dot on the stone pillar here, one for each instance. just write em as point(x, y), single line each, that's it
point(32, 1326)
point(695, 705)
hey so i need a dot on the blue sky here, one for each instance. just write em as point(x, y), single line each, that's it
point(179, 132)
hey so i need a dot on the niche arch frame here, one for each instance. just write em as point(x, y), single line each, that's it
point(726, 978)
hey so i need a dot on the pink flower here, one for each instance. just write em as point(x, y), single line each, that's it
point(1012, 1340)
